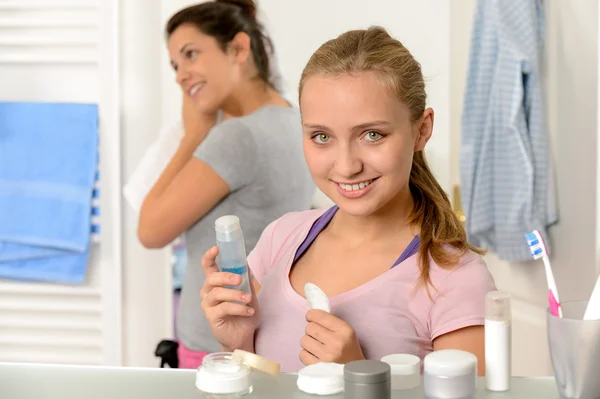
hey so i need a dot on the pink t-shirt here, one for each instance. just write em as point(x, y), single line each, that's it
point(388, 314)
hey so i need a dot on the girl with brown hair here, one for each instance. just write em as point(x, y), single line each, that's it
point(391, 255)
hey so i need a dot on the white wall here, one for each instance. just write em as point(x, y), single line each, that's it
point(571, 81)
point(573, 102)
point(297, 28)
point(147, 292)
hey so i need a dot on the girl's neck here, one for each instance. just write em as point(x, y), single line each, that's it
point(251, 95)
point(391, 220)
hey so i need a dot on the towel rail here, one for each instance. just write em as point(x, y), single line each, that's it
point(28, 5)
point(47, 289)
point(48, 23)
point(13, 323)
point(38, 41)
point(66, 59)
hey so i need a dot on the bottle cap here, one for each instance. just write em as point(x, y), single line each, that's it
point(228, 228)
point(256, 362)
point(227, 224)
point(497, 306)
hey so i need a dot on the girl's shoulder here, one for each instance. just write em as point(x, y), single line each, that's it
point(278, 237)
point(458, 295)
point(293, 225)
point(470, 266)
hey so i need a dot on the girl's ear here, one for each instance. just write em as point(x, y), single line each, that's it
point(239, 47)
point(424, 129)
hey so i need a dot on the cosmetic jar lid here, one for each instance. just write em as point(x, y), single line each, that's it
point(497, 306)
point(403, 364)
point(367, 372)
point(321, 378)
point(256, 362)
point(450, 363)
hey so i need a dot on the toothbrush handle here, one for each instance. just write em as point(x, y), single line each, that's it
point(555, 309)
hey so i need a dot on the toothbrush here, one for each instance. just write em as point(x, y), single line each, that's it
point(538, 250)
point(592, 312)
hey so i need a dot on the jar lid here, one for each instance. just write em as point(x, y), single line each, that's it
point(450, 363)
point(403, 364)
point(257, 363)
point(321, 378)
point(367, 371)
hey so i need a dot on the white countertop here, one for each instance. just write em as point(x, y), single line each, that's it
point(26, 381)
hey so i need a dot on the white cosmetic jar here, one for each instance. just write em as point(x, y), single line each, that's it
point(406, 370)
point(450, 374)
point(227, 375)
point(223, 377)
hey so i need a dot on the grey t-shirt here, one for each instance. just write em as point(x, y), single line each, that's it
point(260, 157)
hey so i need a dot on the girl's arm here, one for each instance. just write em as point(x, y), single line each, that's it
point(457, 316)
point(187, 189)
point(175, 202)
point(470, 339)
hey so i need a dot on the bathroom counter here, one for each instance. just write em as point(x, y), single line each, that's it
point(26, 381)
point(522, 388)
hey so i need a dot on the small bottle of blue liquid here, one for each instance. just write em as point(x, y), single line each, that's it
point(232, 251)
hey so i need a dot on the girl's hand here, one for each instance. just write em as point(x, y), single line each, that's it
point(195, 123)
point(232, 324)
point(328, 339)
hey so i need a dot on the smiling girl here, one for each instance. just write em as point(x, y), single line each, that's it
point(391, 255)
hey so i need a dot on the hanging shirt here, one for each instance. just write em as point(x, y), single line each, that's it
point(505, 163)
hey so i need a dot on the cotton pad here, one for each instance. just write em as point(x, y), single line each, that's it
point(316, 297)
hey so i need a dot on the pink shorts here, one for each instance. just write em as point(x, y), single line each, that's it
point(189, 359)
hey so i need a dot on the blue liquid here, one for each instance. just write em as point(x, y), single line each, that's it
point(242, 270)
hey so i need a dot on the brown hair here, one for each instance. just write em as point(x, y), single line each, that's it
point(375, 50)
point(223, 19)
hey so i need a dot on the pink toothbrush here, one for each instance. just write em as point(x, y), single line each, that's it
point(538, 250)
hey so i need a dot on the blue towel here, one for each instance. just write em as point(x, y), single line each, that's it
point(48, 159)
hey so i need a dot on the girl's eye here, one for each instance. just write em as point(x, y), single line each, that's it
point(321, 138)
point(373, 136)
point(191, 53)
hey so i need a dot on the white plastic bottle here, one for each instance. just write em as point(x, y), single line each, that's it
point(232, 251)
point(498, 342)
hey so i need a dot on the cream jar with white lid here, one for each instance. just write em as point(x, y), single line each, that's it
point(450, 374)
point(227, 375)
point(406, 370)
